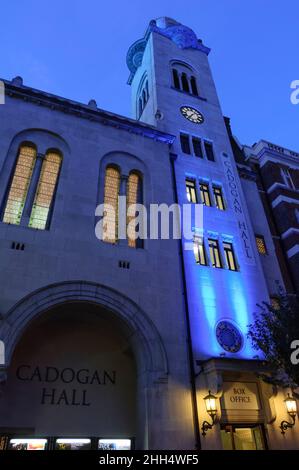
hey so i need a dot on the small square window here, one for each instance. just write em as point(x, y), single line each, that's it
point(185, 144)
point(209, 151)
point(191, 191)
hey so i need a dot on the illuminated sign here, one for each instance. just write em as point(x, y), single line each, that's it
point(240, 396)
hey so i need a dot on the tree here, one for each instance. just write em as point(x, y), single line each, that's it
point(275, 332)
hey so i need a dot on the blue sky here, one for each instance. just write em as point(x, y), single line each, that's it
point(78, 49)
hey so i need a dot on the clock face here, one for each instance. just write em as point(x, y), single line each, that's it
point(192, 114)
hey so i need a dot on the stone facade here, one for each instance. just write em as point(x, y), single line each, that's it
point(168, 329)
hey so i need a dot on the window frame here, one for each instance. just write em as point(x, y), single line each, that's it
point(230, 251)
point(185, 140)
point(200, 255)
point(214, 247)
point(220, 196)
point(262, 238)
point(205, 193)
point(188, 182)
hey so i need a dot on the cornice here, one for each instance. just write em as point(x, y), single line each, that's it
point(90, 112)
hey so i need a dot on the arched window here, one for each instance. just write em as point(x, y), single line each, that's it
point(193, 86)
point(183, 78)
point(185, 83)
point(176, 80)
point(19, 187)
point(143, 95)
point(44, 195)
point(111, 192)
point(134, 196)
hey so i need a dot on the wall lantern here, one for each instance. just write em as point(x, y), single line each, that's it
point(210, 402)
point(291, 406)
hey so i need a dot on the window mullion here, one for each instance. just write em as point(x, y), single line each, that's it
point(32, 189)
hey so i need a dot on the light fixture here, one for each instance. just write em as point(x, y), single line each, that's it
point(210, 402)
point(291, 406)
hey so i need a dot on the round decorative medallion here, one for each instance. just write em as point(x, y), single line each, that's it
point(228, 336)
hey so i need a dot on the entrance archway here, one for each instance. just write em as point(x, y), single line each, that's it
point(123, 348)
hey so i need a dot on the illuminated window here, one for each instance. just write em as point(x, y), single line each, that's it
point(261, 245)
point(72, 444)
point(197, 147)
point(214, 253)
point(185, 144)
point(199, 251)
point(114, 444)
point(230, 256)
point(45, 191)
point(191, 191)
point(27, 444)
point(19, 186)
point(111, 192)
point(209, 151)
point(219, 201)
point(275, 303)
point(133, 197)
point(205, 194)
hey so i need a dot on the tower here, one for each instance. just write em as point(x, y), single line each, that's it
point(173, 88)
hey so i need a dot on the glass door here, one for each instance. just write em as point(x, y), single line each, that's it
point(243, 437)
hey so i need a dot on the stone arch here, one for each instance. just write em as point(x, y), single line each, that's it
point(145, 339)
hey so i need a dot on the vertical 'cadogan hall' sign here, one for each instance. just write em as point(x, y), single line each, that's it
point(236, 200)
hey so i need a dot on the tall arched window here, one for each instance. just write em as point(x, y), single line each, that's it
point(183, 78)
point(44, 195)
point(193, 86)
point(111, 192)
point(185, 83)
point(18, 191)
point(176, 80)
point(134, 196)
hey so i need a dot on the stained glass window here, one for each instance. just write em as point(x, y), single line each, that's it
point(133, 192)
point(45, 191)
point(112, 184)
point(20, 185)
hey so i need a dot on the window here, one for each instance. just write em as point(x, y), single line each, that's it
point(143, 97)
point(31, 196)
point(209, 151)
point(214, 253)
point(183, 79)
point(111, 192)
point(185, 82)
point(261, 245)
point(218, 196)
point(20, 184)
point(287, 178)
point(45, 191)
point(230, 256)
point(199, 251)
point(194, 86)
point(176, 80)
point(133, 197)
point(185, 144)
point(242, 437)
point(205, 194)
point(275, 302)
point(197, 147)
point(191, 191)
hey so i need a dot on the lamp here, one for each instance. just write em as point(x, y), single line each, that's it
point(210, 402)
point(291, 406)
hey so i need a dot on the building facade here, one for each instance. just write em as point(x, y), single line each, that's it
point(117, 342)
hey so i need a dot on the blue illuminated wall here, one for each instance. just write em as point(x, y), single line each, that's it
point(214, 294)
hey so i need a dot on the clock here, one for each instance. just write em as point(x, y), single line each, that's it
point(192, 114)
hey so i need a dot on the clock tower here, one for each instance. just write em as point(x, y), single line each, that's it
point(173, 89)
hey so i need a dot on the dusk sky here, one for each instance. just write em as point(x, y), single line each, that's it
point(78, 50)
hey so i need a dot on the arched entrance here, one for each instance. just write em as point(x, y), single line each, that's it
point(82, 358)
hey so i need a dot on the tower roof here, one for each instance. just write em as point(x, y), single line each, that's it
point(183, 36)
